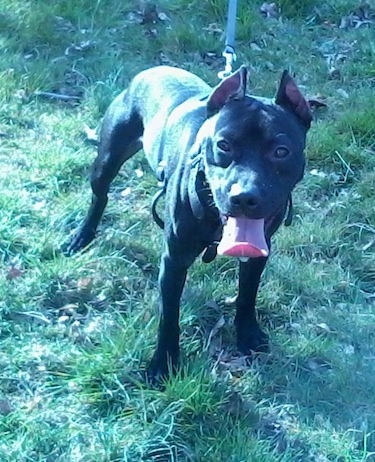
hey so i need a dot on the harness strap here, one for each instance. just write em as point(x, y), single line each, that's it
point(196, 186)
point(159, 221)
point(289, 214)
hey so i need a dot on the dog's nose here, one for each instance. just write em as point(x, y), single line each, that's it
point(245, 202)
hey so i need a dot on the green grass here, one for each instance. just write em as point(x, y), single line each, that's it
point(76, 333)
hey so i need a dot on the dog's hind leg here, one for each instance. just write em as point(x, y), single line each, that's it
point(120, 139)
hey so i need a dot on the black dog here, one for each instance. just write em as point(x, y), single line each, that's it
point(229, 162)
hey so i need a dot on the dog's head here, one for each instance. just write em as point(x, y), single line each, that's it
point(254, 156)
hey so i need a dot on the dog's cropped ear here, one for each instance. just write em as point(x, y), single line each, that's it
point(289, 95)
point(232, 87)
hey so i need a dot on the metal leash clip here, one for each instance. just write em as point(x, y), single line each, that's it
point(230, 58)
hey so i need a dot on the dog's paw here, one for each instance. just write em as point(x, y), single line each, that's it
point(161, 367)
point(78, 242)
point(252, 339)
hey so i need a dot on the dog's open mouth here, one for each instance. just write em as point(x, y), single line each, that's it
point(244, 238)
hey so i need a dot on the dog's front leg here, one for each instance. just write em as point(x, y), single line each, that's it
point(250, 337)
point(172, 277)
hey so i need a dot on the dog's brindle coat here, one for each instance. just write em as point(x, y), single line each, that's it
point(207, 140)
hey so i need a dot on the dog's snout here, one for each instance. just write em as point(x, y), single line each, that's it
point(244, 202)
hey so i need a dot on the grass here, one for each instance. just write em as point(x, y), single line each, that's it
point(75, 334)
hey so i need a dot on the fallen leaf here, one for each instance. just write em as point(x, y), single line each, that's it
point(163, 17)
point(62, 319)
point(213, 28)
point(99, 302)
point(334, 74)
point(148, 268)
point(85, 284)
point(149, 12)
point(148, 314)
point(362, 16)
point(343, 93)
point(270, 10)
point(275, 431)
point(315, 172)
point(33, 403)
point(39, 205)
point(230, 301)
point(211, 59)
point(21, 94)
point(14, 273)
point(134, 17)
point(317, 364)
point(91, 134)
point(323, 327)
point(218, 325)
point(63, 25)
point(153, 32)
point(80, 47)
point(126, 192)
point(317, 102)
point(5, 407)
point(255, 47)
point(349, 350)
point(68, 309)
point(28, 55)
point(163, 59)
point(318, 457)
point(139, 172)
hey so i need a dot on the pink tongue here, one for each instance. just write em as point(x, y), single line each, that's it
point(243, 237)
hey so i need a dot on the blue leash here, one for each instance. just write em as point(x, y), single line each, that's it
point(229, 53)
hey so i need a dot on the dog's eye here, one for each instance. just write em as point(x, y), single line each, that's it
point(223, 154)
point(223, 145)
point(281, 152)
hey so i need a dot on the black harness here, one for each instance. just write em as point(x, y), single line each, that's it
point(200, 199)
point(200, 196)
